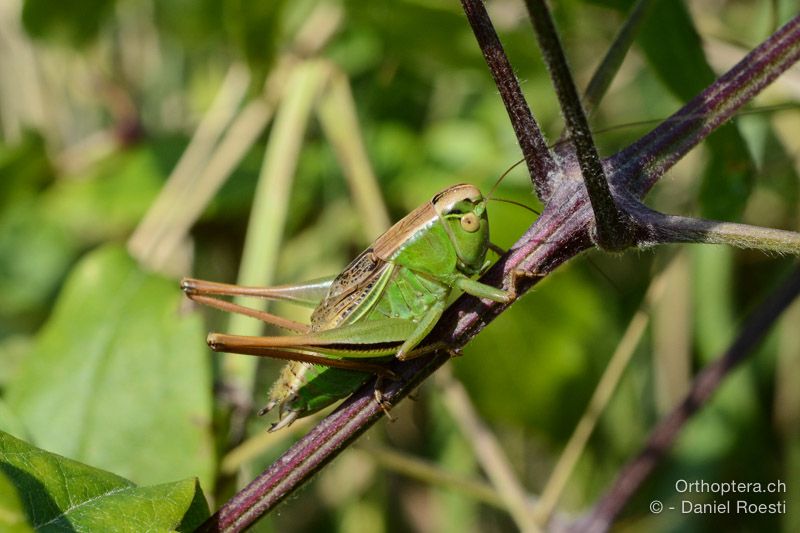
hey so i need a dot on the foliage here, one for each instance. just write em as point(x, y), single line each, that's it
point(102, 361)
point(55, 493)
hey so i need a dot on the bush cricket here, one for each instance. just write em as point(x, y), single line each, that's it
point(381, 306)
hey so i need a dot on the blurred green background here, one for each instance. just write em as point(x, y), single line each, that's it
point(102, 359)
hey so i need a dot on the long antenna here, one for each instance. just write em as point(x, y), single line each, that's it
point(502, 176)
point(518, 204)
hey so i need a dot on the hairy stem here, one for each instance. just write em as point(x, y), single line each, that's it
point(638, 167)
point(671, 229)
point(541, 164)
point(613, 229)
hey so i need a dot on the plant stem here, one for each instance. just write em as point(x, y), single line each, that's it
point(613, 229)
point(639, 166)
point(541, 164)
point(559, 234)
point(603, 76)
point(662, 228)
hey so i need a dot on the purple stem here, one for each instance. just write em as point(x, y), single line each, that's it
point(638, 167)
point(613, 228)
point(560, 233)
point(541, 165)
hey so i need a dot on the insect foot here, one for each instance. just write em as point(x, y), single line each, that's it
point(383, 403)
point(285, 421)
point(285, 416)
point(188, 286)
point(515, 277)
point(267, 408)
point(453, 351)
point(213, 341)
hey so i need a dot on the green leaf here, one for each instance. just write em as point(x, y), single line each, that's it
point(12, 515)
point(65, 495)
point(35, 252)
point(118, 191)
point(77, 22)
point(25, 168)
point(118, 378)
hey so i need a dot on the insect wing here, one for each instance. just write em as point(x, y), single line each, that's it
point(353, 292)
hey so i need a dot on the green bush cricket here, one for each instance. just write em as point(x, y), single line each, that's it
point(382, 305)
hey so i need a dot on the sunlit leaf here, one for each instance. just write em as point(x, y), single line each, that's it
point(56, 493)
point(137, 398)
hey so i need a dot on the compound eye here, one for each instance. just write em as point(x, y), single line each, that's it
point(470, 222)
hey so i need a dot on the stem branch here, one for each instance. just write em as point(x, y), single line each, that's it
point(541, 164)
point(613, 228)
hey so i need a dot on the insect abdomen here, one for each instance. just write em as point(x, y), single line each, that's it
point(305, 388)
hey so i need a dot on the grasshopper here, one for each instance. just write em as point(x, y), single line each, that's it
point(381, 306)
